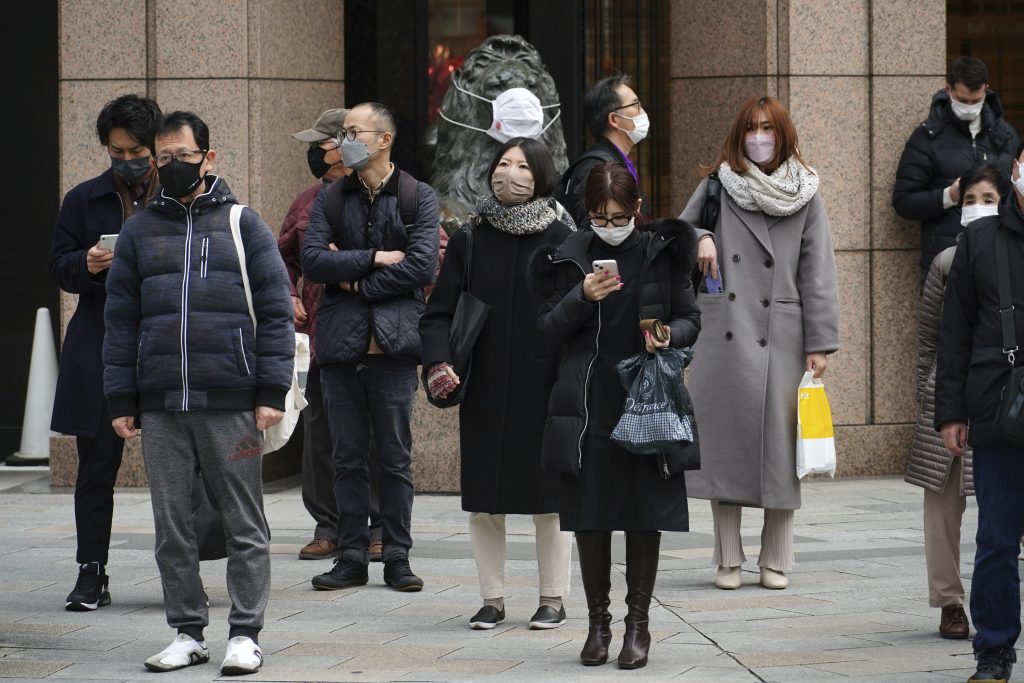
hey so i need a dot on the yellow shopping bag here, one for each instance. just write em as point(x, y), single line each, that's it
point(815, 439)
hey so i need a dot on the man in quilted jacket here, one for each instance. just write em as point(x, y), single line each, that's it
point(183, 353)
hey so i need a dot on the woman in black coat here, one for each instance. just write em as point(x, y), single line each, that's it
point(513, 368)
point(596, 319)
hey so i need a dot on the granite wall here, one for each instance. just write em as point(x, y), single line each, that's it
point(857, 77)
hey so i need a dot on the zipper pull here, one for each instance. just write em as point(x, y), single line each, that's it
point(664, 468)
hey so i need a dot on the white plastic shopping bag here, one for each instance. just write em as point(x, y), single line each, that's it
point(815, 439)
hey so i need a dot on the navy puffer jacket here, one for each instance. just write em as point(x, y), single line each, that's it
point(179, 335)
point(390, 299)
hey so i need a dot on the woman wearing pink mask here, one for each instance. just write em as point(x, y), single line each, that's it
point(770, 311)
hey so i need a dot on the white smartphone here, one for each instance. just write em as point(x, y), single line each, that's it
point(608, 266)
point(107, 242)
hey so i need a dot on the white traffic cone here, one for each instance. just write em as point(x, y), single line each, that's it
point(42, 384)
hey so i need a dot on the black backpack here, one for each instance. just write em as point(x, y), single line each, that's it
point(564, 192)
point(406, 201)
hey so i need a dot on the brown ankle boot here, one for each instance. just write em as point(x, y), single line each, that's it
point(641, 571)
point(595, 551)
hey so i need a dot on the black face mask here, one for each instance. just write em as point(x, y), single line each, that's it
point(131, 171)
point(315, 157)
point(179, 178)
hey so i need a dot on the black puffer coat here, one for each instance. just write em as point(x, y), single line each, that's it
point(390, 299)
point(938, 152)
point(971, 368)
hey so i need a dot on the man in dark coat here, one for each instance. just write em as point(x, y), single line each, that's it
point(964, 127)
point(618, 122)
point(374, 267)
point(78, 264)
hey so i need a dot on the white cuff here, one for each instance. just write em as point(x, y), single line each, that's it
point(947, 201)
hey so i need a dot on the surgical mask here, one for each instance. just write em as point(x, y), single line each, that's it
point(179, 178)
point(512, 187)
point(641, 125)
point(516, 113)
point(315, 158)
point(613, 235)
point(1018, 184)
point(355, 154)
point(971, 213)
point(760, 147)
point(132, 171)
point(966, 112)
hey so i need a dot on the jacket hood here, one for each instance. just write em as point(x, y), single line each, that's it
point(217, 193)
point(677, 236)
point(941, 114)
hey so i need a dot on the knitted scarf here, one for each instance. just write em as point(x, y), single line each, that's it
point(782, 193)
point(523, 219)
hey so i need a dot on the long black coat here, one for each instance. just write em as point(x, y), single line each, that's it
point(938, 152)
point(90, 209)
point(971, 369)
point(616, 489)
point(503, 412)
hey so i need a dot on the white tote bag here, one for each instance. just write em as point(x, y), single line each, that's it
point(815, 437)
point(277, 436)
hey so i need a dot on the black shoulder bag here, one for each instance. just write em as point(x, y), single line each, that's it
point(1009, 423)
point(709, 212)
point(467, 323)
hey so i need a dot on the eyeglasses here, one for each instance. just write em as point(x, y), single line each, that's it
point(627, 106)
point(187, 157)
point(619, 221)
point(351, 133)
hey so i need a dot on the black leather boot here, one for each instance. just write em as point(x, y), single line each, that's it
point(595, 551)
point(641, 570)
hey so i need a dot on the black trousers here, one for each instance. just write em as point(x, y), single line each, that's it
point(99, 458)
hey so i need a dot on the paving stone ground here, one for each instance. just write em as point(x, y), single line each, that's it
point(856, 610)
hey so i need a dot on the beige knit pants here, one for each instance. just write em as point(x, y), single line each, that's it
point(776, 538)
point(554, 549)
point(943, 513)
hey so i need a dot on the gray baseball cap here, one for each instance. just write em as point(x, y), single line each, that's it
point(327, 125)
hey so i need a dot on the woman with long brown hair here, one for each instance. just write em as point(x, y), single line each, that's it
point(770, 311)
point(595, 319)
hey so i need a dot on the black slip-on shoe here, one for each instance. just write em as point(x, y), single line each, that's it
point(547, 617)
point(487, 618)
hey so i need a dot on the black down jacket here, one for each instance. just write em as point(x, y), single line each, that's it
point(570, 320)
point(390, 299)
point(179, 335)
point(971, 368)
point(938, 152)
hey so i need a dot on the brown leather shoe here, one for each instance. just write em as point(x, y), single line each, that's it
point(954, 624)
point(319, 549)
point(376, 550)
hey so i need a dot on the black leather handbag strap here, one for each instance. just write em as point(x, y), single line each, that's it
point(1005, 296)
point(467, 267)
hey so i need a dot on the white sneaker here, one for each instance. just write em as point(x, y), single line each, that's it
point(243, 657)
point(184, 651)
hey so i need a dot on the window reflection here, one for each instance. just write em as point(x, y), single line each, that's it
point(454, 28)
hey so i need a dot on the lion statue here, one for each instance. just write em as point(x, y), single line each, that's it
point(462, 154)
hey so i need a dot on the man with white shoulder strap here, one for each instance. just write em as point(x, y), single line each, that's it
point(183, 354)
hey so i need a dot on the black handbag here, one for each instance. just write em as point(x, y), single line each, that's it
point(1009, 422)
point(467, 323)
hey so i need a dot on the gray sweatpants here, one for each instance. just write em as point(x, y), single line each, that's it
point(228, 449)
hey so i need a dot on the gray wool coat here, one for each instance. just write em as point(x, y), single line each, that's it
point(929, 462)
point(780, 303)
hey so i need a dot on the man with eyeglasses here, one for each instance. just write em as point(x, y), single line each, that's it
point(206, 368)
point(374, 257)
point(617, 120)
point(78, 264)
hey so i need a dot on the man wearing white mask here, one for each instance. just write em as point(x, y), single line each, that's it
point(616, 118)
point(964, 127)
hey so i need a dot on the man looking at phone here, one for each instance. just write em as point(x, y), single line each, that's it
point(79, 264)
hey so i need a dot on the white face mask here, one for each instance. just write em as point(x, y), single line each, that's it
point(517, 113)
point(1018, 184)
point(971, 213)
point(613, 235)
point(760, 147)
point(641, 126)
point(966, 112)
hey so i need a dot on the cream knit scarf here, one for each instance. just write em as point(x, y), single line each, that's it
point(782, 193)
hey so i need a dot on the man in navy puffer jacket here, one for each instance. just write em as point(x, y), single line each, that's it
point(182, 353)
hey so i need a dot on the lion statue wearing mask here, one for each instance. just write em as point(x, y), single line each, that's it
point(502, 91)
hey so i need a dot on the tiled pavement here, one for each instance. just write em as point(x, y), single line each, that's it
point(856, 609)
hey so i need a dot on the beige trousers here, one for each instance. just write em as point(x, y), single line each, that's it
point(776, 538)
point(554, 549)
point(943, 513)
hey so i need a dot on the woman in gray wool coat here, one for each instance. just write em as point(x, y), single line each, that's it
point(776, 316)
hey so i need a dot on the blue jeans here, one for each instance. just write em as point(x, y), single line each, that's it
point(377, 393)
point(995, 588)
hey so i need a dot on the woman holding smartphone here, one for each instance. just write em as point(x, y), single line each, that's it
point(776, 317)
point(502, 413)
point(595, 318)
